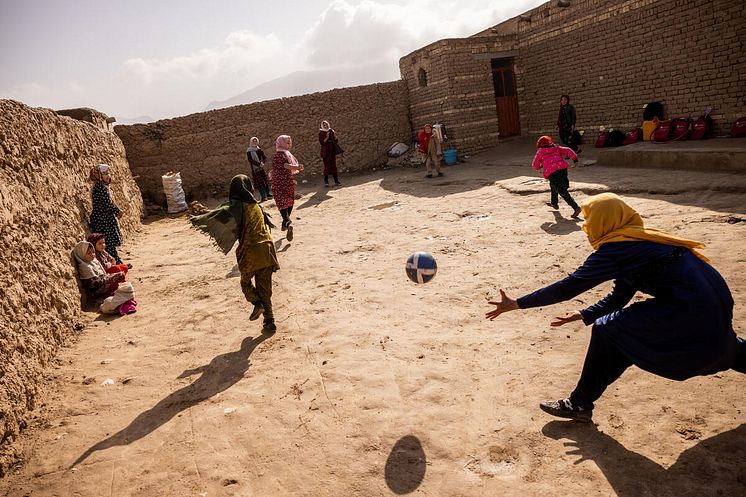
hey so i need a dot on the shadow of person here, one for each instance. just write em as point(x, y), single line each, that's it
point(220, 374)
point(405, 466)
point(714, 466)
point(561, 226)
point(316, 198)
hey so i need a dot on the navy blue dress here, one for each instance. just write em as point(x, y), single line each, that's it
point(684, 330)
point(104, 216)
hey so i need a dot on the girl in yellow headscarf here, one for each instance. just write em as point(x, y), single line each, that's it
point(684, 330)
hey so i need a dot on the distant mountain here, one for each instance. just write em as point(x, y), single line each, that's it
point(133, 120)
point(304, 82)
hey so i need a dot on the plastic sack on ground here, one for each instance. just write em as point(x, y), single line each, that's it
point(397, 149)
point(174, 192)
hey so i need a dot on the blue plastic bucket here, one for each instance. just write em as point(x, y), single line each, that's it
point(450, 156)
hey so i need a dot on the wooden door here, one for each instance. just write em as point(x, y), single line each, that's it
point(506, 98)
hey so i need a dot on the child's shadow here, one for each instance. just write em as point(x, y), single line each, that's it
point(218, 375)
point(712, 467)
point(560, 226)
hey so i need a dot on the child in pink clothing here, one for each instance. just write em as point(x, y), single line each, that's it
point(552, 158)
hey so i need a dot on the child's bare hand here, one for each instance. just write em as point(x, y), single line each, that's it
point(506, 304)
point(567, 318)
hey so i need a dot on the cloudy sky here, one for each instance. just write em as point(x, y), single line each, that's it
point(168, 58)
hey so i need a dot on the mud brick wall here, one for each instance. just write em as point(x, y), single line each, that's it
point(459, 91)
point(611, 57)
point(209, 148)
point(44, 208)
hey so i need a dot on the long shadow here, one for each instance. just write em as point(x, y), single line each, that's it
point(405, 466)
point(220, 374)
point(561, 225)
point(714, 466)
point(316, 198)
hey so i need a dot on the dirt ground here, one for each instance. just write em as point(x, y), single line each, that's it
point(374, 385)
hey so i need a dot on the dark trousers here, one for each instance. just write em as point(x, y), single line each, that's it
point(112, 249)
point(559, 183)
point(569, 138)
point(285, 213)
point(334, 175)
point(260, 290)
point(603, 365)
point(264, 192)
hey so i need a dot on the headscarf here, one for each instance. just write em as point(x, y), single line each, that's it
point(97, 173)
point(325, 126)
point(281, 145)
point(224, 224)
point(608, 218)
point(87, 270)
point(425, 136)
point(94, 238)
point(544, 141)
point(253, 147)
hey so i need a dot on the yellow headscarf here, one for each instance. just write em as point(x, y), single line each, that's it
point(608, 218)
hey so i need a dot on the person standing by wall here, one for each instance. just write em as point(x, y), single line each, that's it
point(327, 140)
point(284, 166)
point(566, 123)
point(104, 213)
point(430, 148)
point(258, 174)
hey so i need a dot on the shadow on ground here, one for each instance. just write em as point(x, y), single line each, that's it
point(221, 373)
point(714, 466)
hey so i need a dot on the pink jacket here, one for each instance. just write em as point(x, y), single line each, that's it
point(552, 159)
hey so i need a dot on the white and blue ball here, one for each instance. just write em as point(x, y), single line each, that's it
point(421, 267)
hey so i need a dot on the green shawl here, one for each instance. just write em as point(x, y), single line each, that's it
point(224, 224)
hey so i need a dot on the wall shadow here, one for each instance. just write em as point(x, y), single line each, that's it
point(715, 466)
point(405, 466)
point(221, 373)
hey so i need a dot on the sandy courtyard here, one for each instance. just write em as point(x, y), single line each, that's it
point(375, 386)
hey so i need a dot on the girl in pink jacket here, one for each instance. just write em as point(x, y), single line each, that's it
point(552, 158)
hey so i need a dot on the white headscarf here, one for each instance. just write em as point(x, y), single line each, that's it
point(87, 270)
point(253, 147)
point(325, 126)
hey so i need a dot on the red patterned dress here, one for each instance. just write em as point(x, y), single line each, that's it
point(283, 184)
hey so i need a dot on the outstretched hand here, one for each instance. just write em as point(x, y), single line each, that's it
point(567, 318)
point(506, 304)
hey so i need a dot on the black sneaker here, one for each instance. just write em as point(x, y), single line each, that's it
point(576, 213)
point(269, 326)
point(289, 235)
point(553, 206)
point(565, 409)
point(258, 311)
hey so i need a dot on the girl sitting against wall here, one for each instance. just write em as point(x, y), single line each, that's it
point(98, 240)
point(94, 278)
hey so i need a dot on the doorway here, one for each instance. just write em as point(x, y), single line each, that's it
point(506, 97)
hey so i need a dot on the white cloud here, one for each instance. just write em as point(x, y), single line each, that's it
point(369, 32)
point(237, 56)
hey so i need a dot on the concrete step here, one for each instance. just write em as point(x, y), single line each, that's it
point(717, 154)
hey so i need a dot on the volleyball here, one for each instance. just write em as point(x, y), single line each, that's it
point(421, 267)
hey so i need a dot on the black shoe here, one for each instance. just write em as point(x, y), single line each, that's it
point(576, 213)
point(284, 226)
point(129, 266)
point(326, 185)
point(440, 174)
point(337, 184)
point(553, 206)
point(289, 235)
point(269, 326)
point(564, 409)
point(258, 311)
point(428, 175)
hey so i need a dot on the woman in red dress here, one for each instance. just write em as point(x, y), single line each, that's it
point(284, 166)
point(327, 137)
